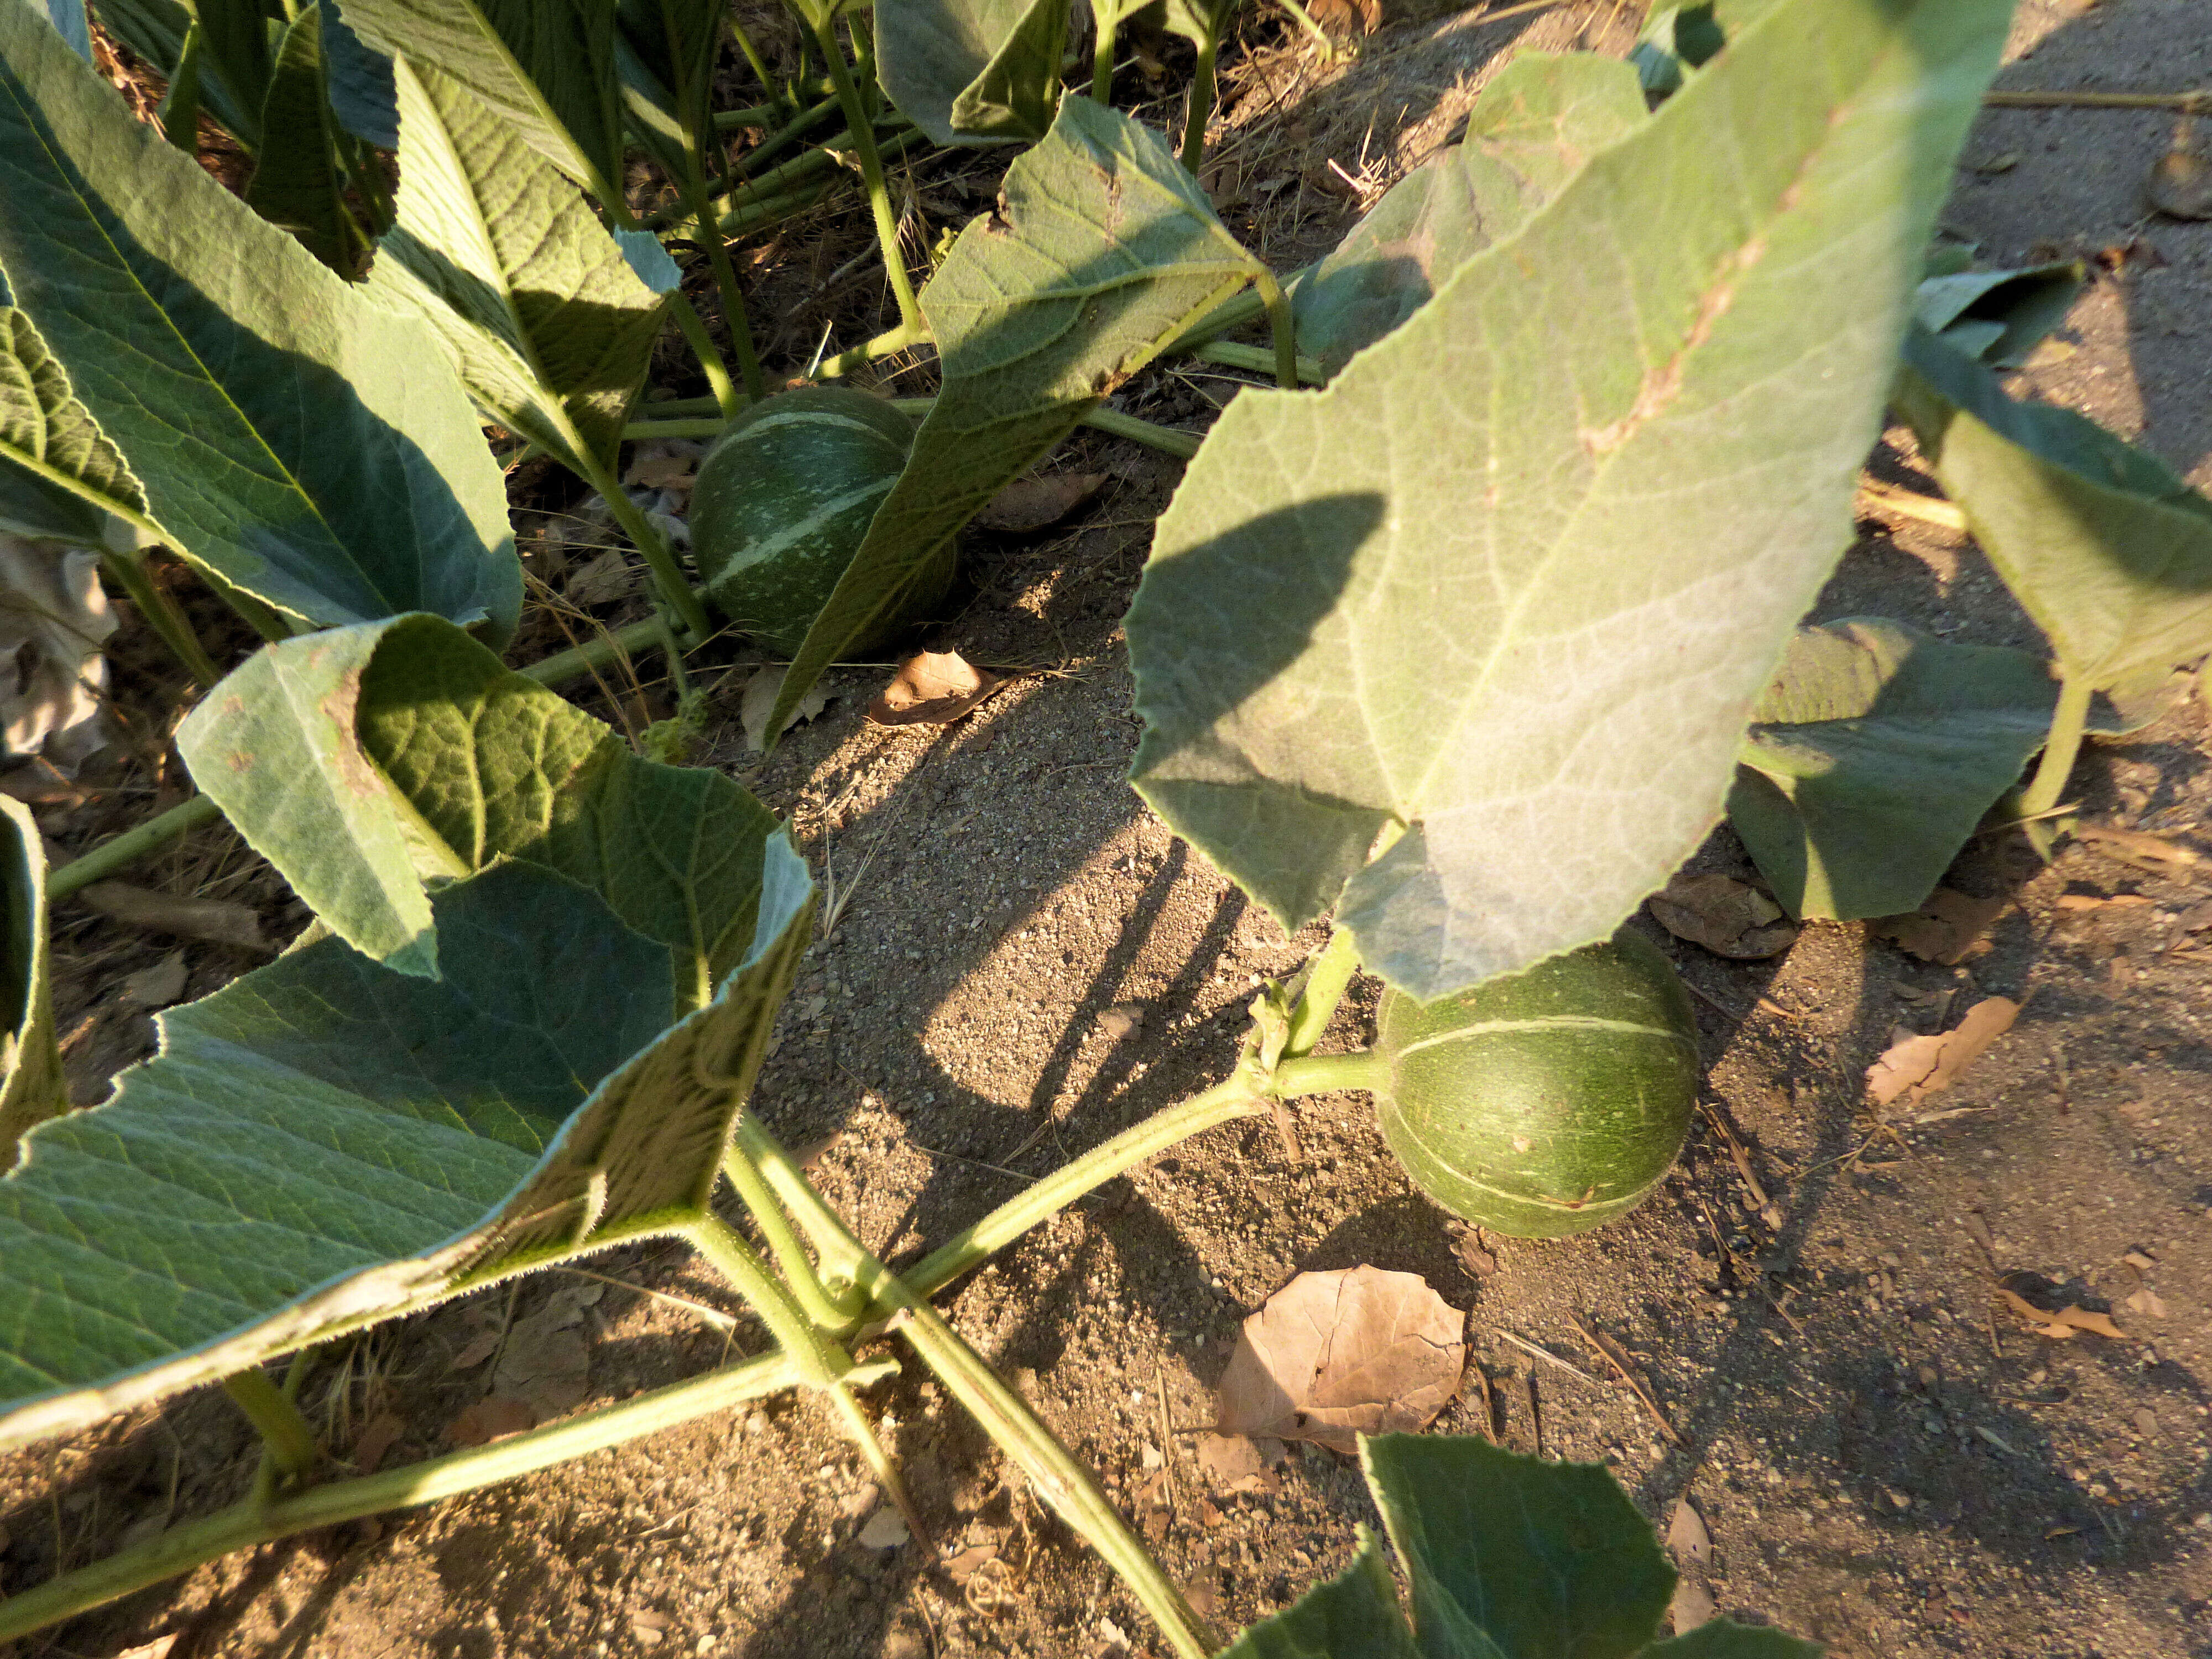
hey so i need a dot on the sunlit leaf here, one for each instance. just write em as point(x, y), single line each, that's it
point(289, 434)
point(327, 1142)
point(59, 473)
point(1106, 250)
point(2102, 544)
point(495, 250)
point(1514, 580)
point(365, 761)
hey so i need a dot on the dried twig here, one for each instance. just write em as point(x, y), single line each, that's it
point(1610, 1353)
point(1547, 1356)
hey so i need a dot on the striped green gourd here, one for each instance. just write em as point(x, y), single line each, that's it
point(1548, 1102)
point(783, 500)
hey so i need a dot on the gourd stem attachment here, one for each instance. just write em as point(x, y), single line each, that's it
point(693, 327)
point(246, 1524)
point(161, 615)
point(885, 345)
point(1279, 321)
point(1327, 977)
point(288, 1451)
point(871, 166)
point(2061, 749)
point(1323, 1075)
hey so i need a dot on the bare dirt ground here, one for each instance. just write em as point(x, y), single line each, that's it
point(1886, 1457)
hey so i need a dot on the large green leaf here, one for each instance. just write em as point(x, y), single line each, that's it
point(31, 1085)
point(365, 761)
point(1515, 579)
point(295, 184)
point(973, 71)
point(300, 441)
point(545, 68)
point(1106, 249)
point(2102, 543)
point(325, 1142)
point(56, 465)
point(1545, 1560)
point(1354, 1615)
point(359, 81)
point(1872, 757)
point(496, 251)
point(1531, 130)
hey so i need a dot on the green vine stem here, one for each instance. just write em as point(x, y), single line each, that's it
point(821, 16)
point(667, 578)
point(1201, 102)
point(2061, 749)
point(1279, 321)
point(693, 327)
point(1167, 439)
point(289, 1449)
point(153, 603)
point(888, 343)
point(1326, 979)
point(1258, 360)
point(1108, 15)
point(244, 1524)
point(826, 1307)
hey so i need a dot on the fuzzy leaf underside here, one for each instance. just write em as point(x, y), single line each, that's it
point(59, 473)
point(325, 1142)
point(291, 435)
point(2102, 543)
point(1873, 757)
point(1515, 579)
point(1534, 124)
point(498, 253)
point(1107, 250)
point(364, 762)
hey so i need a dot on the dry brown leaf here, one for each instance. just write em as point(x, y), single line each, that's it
point(1693, 1606)
point(546, 1362)
point(962, 1567)
point(218, 921)
point(2060, 1324)
point(1728, 917)
point(1474, 1252)
point(2141, 848)
point(1234, 1463)
point(1123, 1018)
point(1687, 1537)
point(2180, 184)
point(664, 472)
point(885, 1530)
point(1947, 929)
point(490, 1419)
point(378, 1436)
point(932, 687)
point(1338, 1354)
point(158, 986)
point(609, 576)
point(2147, 1301)
point(759, 702)
point(1916, 1066)
point(480, 1348)
point(1033, 503)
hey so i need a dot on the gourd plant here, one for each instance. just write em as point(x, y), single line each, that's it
point(1459, 649)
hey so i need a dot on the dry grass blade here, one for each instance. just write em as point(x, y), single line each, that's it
point(1610, 1353)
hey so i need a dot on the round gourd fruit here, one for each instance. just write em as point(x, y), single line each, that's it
point(783, 500)
point(1548, 1102)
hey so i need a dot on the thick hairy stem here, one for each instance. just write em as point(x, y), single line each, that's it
point(244, 1525)
point(1279, 320)
point(693, 327)
point(1323, 1075)
point(872, 170)
point(824, 1306)
point(1327, 980)
point(1259, 360)
point(2061, 749)
point(1108, 14)
point(161, 615)
point(288, 1444)
point(885, 345)
point(127, 848)
point(667, 579)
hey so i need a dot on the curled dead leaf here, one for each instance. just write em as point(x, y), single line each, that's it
point(2059, 1323)
point(932, 687)
point(1728, 917)
point(378, 1437)
point(1033, 502)
point(1235, 1463)
point(490, 1419)
point(759, 702)
point(182, 915)
point(1915, 1066)
point(1947, 929)
point(1335, 1355)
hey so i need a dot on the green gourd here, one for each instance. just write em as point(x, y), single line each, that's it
point(1548, 1102)
point(783, 501)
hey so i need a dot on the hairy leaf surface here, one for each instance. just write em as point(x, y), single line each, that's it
point(1873, 755)
point(973, 71)
point(59, 472)
point(291, 435)
point(1535, 123)
point(1515, 579)
point(325, 1142)
point(496, 251)
point(2102, 544)
point(365, 761)
point(31, 1089)
point(1106, 250)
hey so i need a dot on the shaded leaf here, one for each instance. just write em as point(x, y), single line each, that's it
point(325, 1142)
point(235, 51)
point(1546, 1560)
point(544, 68)
point(288, 434)
point(1534, 124)
point(1873, 755)
point(295, 184)
point(968, 71)
point(68, 19)
point(31, 1089)
point(1914, 1066)
point(2102, 544)
point(1728, 917)
point(1402, 599)
point(358, 79)
point(59, 472)
point(1675, 41)
point(932, 687)
point(1998, 316)
point(1354, 1615)
point(1334, 1355)
point(364, 762)
point(548, 322)
point(1106, 250)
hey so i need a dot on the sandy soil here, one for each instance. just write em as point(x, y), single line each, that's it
point(1886, 1458)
